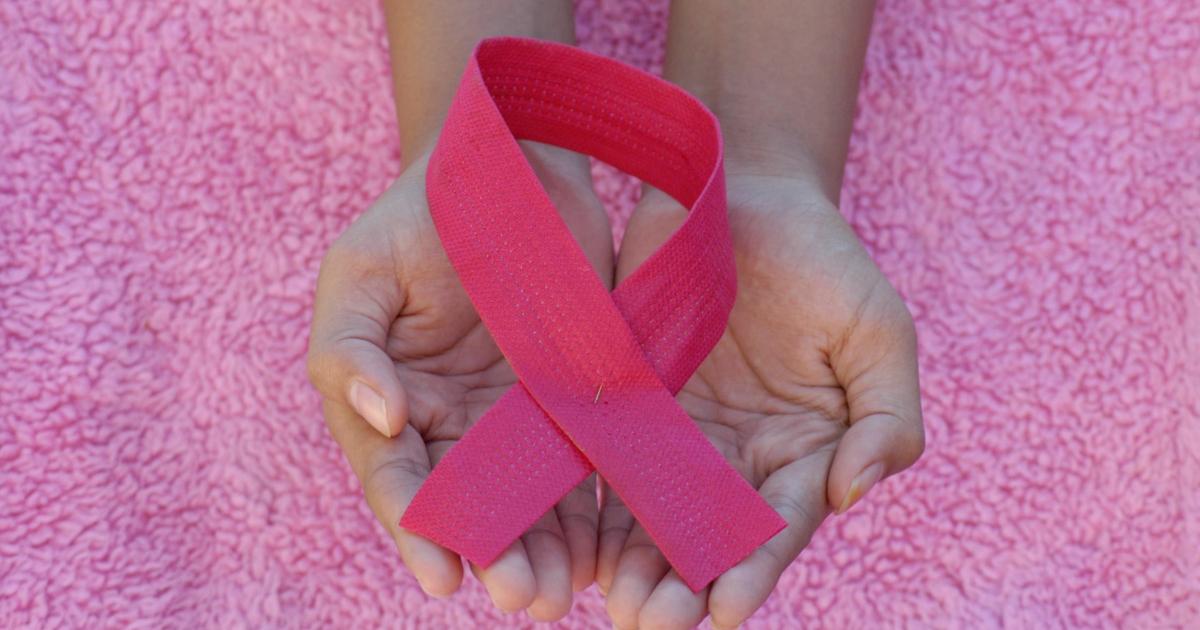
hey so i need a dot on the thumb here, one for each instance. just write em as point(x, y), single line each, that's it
point(355, 305)
point(878, 370)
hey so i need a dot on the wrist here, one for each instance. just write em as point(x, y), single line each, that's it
point(764, 151)
point(781, 76)
point(548, 161)
point(759, 146)
point(764, 138)
point(430, 43)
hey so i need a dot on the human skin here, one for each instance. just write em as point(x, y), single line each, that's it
point(398, 353)
point(812, 392)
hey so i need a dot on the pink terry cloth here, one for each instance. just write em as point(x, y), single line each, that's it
point(1026, 172)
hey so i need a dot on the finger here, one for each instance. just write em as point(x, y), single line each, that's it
point(391, 471)
point(615, 523)
point(356, 302)
point(532, 573)
point(673, 605)
point(578, 515)
point(797, 493)
point(551, 564)
point(639, 569)
point(509, 580)
point(878, 369)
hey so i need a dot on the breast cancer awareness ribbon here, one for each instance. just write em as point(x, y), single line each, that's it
point(598, 371)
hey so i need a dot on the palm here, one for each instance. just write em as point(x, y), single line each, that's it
point(771, 396)
point(445, 358)
point(389, 277)
point(768, 393)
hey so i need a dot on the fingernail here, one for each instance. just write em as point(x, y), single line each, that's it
point(370, 406)
point(861, 484)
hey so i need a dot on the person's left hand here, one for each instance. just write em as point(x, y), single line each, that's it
point(406, 368)
point(811, 394)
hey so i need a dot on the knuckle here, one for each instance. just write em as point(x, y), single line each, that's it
point(336, 257)
point(620, 531)
point(315, 365)
point(918, 444)
point(884, 310)
point(348, 258)
point(572, 520)
point(792, 510)
point(357, 253)
point(893, 318)
point(644, 549)
point(538, 531)
point(323, 364)
point(909, 439)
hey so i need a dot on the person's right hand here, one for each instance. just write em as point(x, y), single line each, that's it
point(405, 368)
point(811, 394)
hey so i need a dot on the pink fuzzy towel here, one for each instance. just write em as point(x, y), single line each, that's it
point(1027, 172)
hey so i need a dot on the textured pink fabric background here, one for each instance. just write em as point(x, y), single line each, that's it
point(1027, 173)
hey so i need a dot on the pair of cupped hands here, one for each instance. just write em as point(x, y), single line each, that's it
point(811, 394)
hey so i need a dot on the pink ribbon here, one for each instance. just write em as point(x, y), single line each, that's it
point(598, 371)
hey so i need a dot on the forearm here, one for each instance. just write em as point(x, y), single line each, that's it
point(781, 75)
point(430, 43)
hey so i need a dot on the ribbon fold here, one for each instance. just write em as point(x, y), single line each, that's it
point(598, 371)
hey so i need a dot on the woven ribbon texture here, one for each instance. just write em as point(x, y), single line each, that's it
point(598, 371)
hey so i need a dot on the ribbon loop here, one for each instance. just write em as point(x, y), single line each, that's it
point(598, 371)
